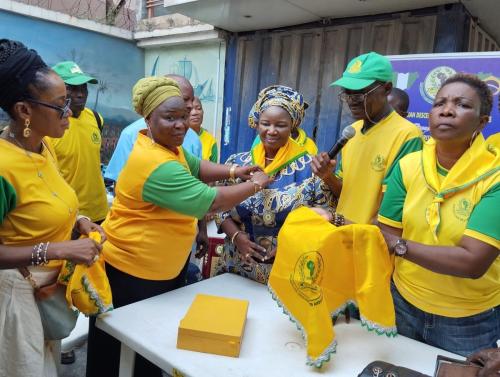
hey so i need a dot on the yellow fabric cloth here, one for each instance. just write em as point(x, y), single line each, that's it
point(306, 142)
point(207, 145)
point(146, 240)
point(476, 164)
point(432, 292)
point(288, 153)
point(494, 140)
point(319, 269)
point(87, 287)
point(79, 157)
point(366, 159)
point(148, 93)
point(39, 215)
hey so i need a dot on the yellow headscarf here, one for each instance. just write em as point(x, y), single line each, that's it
point(478, 162)
point(148, 93)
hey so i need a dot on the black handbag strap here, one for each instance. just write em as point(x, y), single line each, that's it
point(98, 120)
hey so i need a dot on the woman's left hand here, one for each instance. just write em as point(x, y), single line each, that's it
point(84, 227)
point(246, 172)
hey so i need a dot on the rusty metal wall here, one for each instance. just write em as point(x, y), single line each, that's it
point(309, 60)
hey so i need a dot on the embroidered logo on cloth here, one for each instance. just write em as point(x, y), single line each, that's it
point(307, 276)
point(378, 163)
point(95, 138)
point(462, 209)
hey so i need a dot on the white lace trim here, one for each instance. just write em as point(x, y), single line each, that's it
point(325, 355)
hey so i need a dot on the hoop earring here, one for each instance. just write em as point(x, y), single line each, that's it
point(27, 131)
point(474, 135)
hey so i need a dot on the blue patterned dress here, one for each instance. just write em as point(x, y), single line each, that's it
point(263, 214)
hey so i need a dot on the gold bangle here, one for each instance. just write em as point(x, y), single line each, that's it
point(232, 170)
point(233, 237)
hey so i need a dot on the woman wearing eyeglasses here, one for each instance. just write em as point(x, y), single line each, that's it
point(38, 209)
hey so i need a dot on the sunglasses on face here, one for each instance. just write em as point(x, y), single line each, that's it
point(64, 110)
point(358, 97)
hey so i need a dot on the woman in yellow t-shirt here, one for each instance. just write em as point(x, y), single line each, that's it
point(38, 209)
point(209, 149)
point(160, 194)
point(440, 216)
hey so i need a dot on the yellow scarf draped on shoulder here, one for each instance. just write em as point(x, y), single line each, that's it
point(320, 269)
point(87, 287)
point(287, 154)
point(478, 162)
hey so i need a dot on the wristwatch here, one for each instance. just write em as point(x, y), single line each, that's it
point(400, 248)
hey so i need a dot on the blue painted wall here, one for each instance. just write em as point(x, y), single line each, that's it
point(116, 63)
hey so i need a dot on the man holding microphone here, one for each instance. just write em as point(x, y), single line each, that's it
point(381, 138)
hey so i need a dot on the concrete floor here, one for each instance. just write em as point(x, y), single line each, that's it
point(77, 369)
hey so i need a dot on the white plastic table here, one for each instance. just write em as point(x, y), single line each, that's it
point(272, 346)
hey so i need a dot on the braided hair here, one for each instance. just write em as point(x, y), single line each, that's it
point(22, 73)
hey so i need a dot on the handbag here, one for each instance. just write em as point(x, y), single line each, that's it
point(58, 319)
point(383, 369)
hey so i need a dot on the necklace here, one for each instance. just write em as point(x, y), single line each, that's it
point(269, 159)
point(39, 173)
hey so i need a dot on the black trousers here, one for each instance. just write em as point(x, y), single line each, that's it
point(103, 351)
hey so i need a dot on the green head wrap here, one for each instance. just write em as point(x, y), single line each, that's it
point(150, 92)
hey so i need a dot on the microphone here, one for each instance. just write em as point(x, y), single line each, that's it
point(347, 133)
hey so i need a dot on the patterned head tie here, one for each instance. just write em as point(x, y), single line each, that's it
point(282, 96)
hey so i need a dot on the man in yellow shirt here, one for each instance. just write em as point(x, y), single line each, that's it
point(382, 138)
point(78, 151)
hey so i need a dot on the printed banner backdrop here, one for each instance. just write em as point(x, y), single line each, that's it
point(421, 76)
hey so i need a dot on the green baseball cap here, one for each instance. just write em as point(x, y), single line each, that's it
point(72, 74)
point(364, 70)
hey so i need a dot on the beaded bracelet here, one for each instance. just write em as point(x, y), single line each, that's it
point(36, 255)
point(338, 219)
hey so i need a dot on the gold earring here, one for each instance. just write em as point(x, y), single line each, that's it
point(474, 135)
point(27, 131)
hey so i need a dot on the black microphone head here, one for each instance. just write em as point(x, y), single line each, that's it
point(348, 132)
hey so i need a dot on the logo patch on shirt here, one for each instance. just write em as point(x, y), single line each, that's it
point(307, 276)
point(462, 209)
point(96, 139)
point(378, 163)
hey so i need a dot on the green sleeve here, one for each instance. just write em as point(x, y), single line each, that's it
point(256, 141)
point(338, 168)
point(8, 198)
point(193, 162)
point(409, 146)
point(485, 217)
point(214, 154)
point(172, 186)
point(394, 199)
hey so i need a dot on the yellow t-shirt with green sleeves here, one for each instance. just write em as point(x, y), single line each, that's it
point(30, 213)
point(209, 149)
point(473, 212)
point(152, 222)
point(79, 156)
point(367, 159)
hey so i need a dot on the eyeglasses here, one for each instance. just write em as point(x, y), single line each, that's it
point(358, 97)
point(64, 111)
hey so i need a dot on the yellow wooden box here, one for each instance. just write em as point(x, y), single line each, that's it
point(213, 324)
